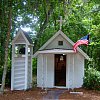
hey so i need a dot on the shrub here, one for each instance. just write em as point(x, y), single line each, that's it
point(92, 79)
point(34, 66)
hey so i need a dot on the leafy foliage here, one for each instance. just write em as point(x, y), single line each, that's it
point(34, 66)
point(92, 79)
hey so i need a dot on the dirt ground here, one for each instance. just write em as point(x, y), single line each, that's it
point(83, 94)
point(37, 94)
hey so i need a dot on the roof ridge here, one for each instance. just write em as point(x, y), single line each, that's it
point(27, 36)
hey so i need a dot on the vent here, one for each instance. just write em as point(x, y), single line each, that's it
point(60, 43)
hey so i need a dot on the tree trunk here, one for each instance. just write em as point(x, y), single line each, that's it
point(6, 51)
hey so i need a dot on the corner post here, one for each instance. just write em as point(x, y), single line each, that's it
point(26, 67)
point(12, 68)
point(31, 63)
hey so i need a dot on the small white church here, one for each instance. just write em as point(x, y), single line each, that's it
point(57, 63)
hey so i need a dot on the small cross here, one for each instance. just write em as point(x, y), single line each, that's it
point(61, 21)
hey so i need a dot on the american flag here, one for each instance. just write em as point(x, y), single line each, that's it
point(83, 40)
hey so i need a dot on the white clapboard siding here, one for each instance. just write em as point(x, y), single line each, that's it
point(16, 64)
point(18, 69)
point(19, 86)
point(19, 59)
point(18, 82)
point(19, 73)
point(19, 78)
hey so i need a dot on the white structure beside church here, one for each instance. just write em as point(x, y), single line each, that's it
point(58, 65)
point(22, 51)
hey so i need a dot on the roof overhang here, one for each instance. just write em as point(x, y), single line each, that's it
point(53, 51)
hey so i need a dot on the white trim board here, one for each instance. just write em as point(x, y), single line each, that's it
point(53, 51)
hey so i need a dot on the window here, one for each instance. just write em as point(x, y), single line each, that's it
point(20, 49)
point(60, 43)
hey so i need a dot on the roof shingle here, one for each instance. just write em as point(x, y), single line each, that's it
point(28, 38)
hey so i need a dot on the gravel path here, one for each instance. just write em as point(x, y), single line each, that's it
point(53, 94)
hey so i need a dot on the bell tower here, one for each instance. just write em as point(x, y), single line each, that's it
point(22, 51)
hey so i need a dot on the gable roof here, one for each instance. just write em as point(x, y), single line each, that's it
point(66, 38)
point(25, 36)
point(28, 38)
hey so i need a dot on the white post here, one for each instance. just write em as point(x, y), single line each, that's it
point(12, 69)
point(68, 67)
point(73, 71)
point(31, 64)
point(26, 66)
point(42, 74)
point(46, 72)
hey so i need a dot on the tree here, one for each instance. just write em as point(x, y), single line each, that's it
point(9, 14)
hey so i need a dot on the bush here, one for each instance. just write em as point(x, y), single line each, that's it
point(92, 79)
point(34, 71)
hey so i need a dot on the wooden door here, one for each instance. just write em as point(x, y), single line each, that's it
point(60, 70)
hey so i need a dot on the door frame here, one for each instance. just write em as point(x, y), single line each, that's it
point(65, 74)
